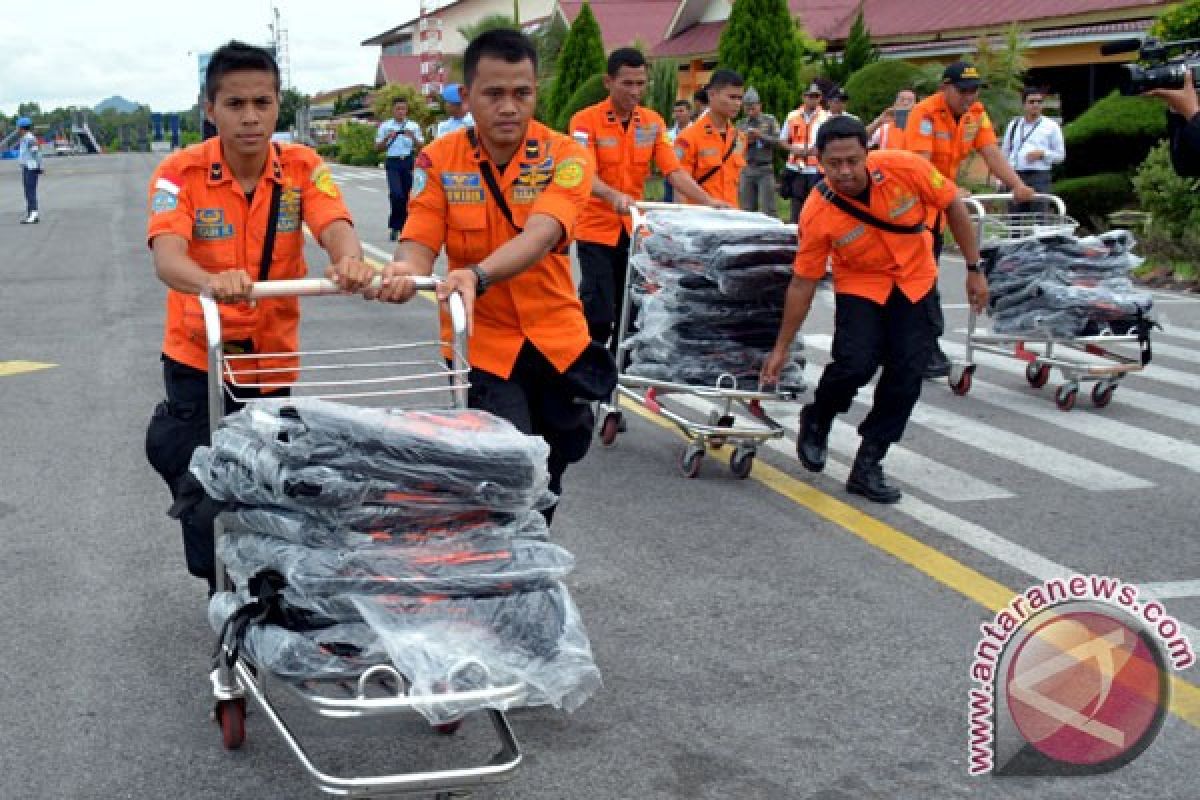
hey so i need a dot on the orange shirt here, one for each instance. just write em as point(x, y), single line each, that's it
point(622, 155)
point(932, 129)
point(869, 262)
point(701, 149)
point(193, 194)
point(797, 131)
point(891, 137)
point(451, 205)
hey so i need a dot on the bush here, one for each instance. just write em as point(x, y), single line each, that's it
point(328, 151)
point(356, 145)
point(873, 88)
point(1174, 206)
point(1115, 134)
point(1092, 198)
point(419, 109)
point(589, 93)
point(1180, 22)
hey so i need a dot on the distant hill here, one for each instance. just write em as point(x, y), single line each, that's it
point(118, 104)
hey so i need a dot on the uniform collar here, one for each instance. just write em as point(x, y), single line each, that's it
point(940, 104)
point(219, 171)
point(610, 113)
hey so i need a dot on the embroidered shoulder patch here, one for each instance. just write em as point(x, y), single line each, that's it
point(569, 173)
point(322, 178)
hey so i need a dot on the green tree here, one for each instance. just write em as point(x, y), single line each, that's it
point(1003, 68)
point(1178, 22)
point(290, 102)
point(492, 22)
point(664, 86)
point(582, 57)
point(419, 109)
point(356, 145)
point(859, 52)
point(763, 43)
point(589, 93)
point(29, 109)
point(873, 88)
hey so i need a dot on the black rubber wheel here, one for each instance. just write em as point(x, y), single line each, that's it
point(741, 462)
point(963, 384)
point(1102, 394)
point(723, 421)
point(1065, 397)
point(231, 716)
point(690, 461)
point(448, 728)
point(1037, 375)
point(609, 429)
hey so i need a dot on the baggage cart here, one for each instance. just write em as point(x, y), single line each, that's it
point(1080, 360)
point(745, 432)
point(381, 373)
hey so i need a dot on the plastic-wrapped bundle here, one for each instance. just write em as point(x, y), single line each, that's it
point(444, 568)
point(737, 257)
point(244, 466)
point(1061, 323)
point(382, 525)
point(702, 372)
point(700, 230)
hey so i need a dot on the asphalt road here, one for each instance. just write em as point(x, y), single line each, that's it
point(767, 638)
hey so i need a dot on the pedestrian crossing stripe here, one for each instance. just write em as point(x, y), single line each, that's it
point(8, 368)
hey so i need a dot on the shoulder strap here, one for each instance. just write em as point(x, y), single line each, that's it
point(714, 170)
point(863, 216)
point(264, 264)
point(489, 177)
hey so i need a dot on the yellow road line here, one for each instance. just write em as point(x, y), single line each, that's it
point(974, 585)
point(18, 367)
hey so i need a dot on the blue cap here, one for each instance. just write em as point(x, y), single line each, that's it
point(24, 122)
point(452, 93)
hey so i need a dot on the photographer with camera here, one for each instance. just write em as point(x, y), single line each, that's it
point(1171, 79)
point(1183, 125)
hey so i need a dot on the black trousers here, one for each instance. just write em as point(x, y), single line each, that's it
point(898, 336)
point(399, 179)
point(603, 270)
point(187, 405)
point(800, 185)
point(536, 399)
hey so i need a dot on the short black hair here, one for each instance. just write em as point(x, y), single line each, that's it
point(400, 100)
point(683, 103)
point(701, 95)
point(624, 57)
point(506, 44)
point(840, 128)
point(1028, 90)
point(725, 77)
point(237, 56)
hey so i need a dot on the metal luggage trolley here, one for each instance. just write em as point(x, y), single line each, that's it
point(1079, 359)
point(360, 374)
point(722, 425)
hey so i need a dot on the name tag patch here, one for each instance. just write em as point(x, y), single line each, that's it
point(289, 211)
point(210, 225)
point(463, 187)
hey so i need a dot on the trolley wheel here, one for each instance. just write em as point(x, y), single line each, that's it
point(448, 728)
point(690, 461)
point(741, 462)
point(963, 384)
point(1102, 393)
point(720, 421)
point(610, 428)
point(231, 716)
point(1065, 395)
point(1037, 374)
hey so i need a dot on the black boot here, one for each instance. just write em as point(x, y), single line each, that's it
point(939, 364)
point(866, 476)
point(813, 440)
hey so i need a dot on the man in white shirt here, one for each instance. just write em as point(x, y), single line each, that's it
point(400, 138)
point(1033, 144)
point(29, 158)
point(459, 116)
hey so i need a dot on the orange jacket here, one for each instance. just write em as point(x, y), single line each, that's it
point(451, 205)
point(891, 137)
point(868, 262)
point(193, 194)
point(932, 129)
point(622, 155)
point(701, 149)
point(797, 131)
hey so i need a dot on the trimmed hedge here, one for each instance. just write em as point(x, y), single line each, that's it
point(589, 93)
point(1114, 135)
point(1092, 198)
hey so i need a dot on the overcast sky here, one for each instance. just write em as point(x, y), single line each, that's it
point(73, 52)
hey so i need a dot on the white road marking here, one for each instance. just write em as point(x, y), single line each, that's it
point(1169, 589)
point(368, 189)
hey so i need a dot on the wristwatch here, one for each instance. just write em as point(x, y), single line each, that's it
point(974, 267)
point(482, 280)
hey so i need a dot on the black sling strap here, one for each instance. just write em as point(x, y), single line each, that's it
point(489, 177)
point(724, 158)
point(264, 264)
point(864, 216)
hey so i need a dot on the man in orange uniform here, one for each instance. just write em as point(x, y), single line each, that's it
point(870, 218)
point(711, 150)
point(945, 128)
point(623, 138)
point(799, 137)
point(504, 199)
point(887, 131)
point(211, 208)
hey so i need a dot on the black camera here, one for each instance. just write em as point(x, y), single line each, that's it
point(1158, 68)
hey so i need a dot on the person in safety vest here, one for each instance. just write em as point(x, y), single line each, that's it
point(799, 138)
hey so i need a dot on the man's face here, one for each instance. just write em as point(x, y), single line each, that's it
point(626, 88)
point(1033, 105)
point(837, 105)
point(245, 109)
point(682, 115)
point(400, 110)
point(726, 101)
point(959, 100)
point(905, 99)
point(811, 101)
point(845, 165)
point(502, 97)
point(753, 110)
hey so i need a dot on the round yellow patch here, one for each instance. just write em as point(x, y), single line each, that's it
point(936, 179)
point(569, 173)
point(322, 178)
